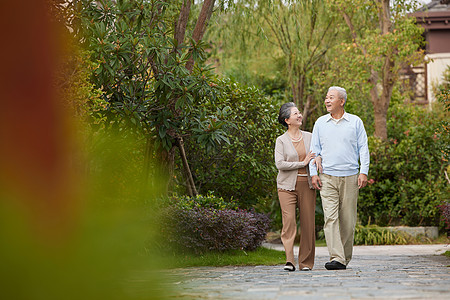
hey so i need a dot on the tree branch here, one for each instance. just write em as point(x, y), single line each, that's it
point(384, 16)
point(352, 30)
point(180, 26)
point(277, 36)
point(313, 58)
point(200, 27)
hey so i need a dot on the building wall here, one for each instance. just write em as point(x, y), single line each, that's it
point(435, 18)
point(437, 64)
point(438, 41)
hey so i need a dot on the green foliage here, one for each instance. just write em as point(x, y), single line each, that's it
point(206, 201)
point(375, 235)
point(366, 45)
point(77, 91)
point(230, 129)
point(272, 83)
point(367, 60)
point(406, 182)
point(443, 140)
point(443, 130)
point(142, 69)
point(244, 169)
point(107, 244)
point(266, 44)
point(115, 160)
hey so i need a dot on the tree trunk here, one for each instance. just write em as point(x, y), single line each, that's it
point(306, 110)
point(300, 90)
point(147, 159)
point(380, 108)
point(381, 103)
point(297, 91)
point(385, 17)
point(380, 122)
point(167, 158)
point(197, 35)
point(180, 26)
point(166, 165)
point(200, 27)
point(294, 93)
point(192, 190)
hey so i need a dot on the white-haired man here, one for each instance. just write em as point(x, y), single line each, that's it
point(341, 141)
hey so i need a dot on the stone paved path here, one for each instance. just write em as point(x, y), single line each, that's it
point(376, 272)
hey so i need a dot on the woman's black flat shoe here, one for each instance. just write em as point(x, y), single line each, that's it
point(289, 267)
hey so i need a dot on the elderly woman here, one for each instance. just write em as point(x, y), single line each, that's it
point(292, 157)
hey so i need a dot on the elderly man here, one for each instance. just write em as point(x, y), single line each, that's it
point(340, 139)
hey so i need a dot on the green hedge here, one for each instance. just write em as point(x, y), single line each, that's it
point(244, 169)
point(406, 178)
point(207, 223)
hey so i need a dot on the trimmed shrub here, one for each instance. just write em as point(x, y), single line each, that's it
point(201, 201)
point(187, 226)
point(445, 211)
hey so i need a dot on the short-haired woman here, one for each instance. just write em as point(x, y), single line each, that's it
point(292, 157)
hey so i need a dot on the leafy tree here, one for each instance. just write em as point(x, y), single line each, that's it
point(73, 72)
point(151, 70)
point(382, 38)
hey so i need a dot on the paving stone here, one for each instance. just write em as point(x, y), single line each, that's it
point(371, 275)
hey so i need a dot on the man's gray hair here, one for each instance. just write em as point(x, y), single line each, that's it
point(285, 113)
point(341, 91)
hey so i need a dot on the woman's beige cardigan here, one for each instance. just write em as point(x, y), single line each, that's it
point(287, 161)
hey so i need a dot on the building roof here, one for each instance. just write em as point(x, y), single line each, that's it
point(434, 15)
point(436, 5)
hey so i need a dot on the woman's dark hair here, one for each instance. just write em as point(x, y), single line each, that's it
point(285, 113)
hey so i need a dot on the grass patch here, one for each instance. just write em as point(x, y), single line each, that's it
point(446, 253)
point(261, 256)
point(442, 239)
point(321, 243)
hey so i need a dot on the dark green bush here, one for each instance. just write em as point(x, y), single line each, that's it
point(445, 210)
point(244, 169)
point(406, 182)
point(191, 226)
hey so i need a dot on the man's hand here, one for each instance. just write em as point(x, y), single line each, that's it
point(317, 184)
point(362, 180)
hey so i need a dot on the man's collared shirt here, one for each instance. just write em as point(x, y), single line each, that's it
point(337, 120)
point(341, 144)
